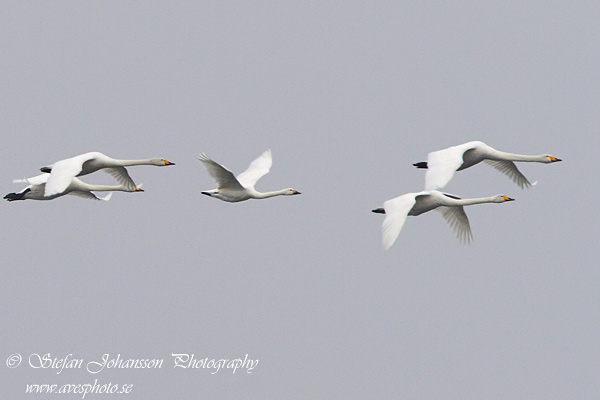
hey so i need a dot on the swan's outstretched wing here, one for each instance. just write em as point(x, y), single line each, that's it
point(396, 211)
point(62, 174)
point(510, 169)
point(458, 221)
point(89, 195)
point(122, 176)
point(257, 169)
point(105, 198)
point(222, 176)
point(442, 164)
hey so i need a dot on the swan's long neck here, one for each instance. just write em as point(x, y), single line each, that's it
point(265, 195)
point(501, 155)
point(129, 163)
point(105, 188)
point(478, 200)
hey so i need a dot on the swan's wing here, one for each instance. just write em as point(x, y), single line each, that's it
point(510, 169)
point(458, 221)
point(62, 174)
point(257, 169)
point(35, 180)
point(86, 194)
point(441, 165)
point(105, 198)
point(396, 211)
point(222, 176)
point(122, 176)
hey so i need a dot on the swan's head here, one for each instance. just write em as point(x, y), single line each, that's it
point(290, 192)
point(547, 158)
point(161, 162)
point(131, 189)
point(500, 198)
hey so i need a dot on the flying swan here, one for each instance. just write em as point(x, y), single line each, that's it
point(396, 210)
point(232, 189)
point(441, 164)
point(37, 186)
point(62, 172)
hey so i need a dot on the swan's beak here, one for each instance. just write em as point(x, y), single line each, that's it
point(168, 162)
point(137, 189)
point(379, 211)
point(506, 198)
point(554, 159)
point(296, 192)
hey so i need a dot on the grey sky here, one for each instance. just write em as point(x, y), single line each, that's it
point(347, 97)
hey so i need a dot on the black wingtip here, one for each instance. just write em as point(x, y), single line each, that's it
point(422, 164)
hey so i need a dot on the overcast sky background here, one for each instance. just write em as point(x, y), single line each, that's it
point(347, 97)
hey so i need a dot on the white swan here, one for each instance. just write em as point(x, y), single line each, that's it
point(37, 186)
point(450, 206)
point(62, 172)
point(442, 164)
point(234, 189)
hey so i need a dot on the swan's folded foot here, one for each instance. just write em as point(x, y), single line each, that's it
point(207, 193)
point(422, 164)
point(46, 169)
point(16, 196)
point(379, 211)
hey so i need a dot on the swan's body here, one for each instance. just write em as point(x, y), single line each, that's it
point(451, 207)
point(240, 188)
point(62, 172)
point(442, 164)
point(37, 186)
